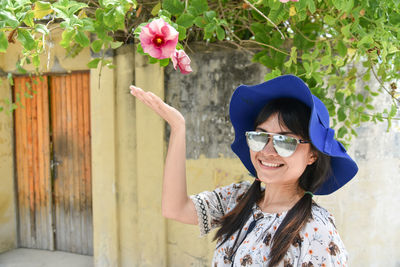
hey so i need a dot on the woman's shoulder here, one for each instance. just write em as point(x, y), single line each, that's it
point(233, 188)
point(321, 242)
point(232, 194)
point(321, 216)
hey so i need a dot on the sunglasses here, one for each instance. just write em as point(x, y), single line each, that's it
point(284, 145)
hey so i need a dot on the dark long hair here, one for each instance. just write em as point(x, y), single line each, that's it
point(295, 116)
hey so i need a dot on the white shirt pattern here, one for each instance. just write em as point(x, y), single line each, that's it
point(318, 243)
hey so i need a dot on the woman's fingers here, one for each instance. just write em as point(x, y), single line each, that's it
point(141, 95)
point(168, 113)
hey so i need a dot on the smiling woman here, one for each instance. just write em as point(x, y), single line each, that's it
point(282, 136)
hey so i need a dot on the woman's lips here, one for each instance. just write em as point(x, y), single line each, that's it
point(270, 165)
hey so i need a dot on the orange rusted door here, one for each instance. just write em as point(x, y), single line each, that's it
point(70, 122)
point(32, 151)
point(53, 163)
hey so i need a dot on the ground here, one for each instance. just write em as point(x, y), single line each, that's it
point(43, 258)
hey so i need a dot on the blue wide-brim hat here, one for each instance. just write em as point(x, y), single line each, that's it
point(247, 102)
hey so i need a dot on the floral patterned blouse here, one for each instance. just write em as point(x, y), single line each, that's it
point(318, 244)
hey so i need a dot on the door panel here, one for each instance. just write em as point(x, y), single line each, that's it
point(72, 183)
point(52, 137)
point(32, 163)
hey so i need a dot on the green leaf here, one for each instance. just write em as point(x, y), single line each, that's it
point(164, 13)
point(198, 7)
point(116, 44)
point(329, 20)
point(27, 95)
point(3, 42)
point(156, 9)
point(273, 74)
point(36, 61)
point(370, 107)
point(26, 39)
point(209, 30)
point(164, 62)
point(364, 117)
point(185, 20)
point(28, 19)
point(367, 76)
point(220, 33)
point(42, 9)
point(96, 45)
point(10, 78)
point(182, 32)
point(339, 97)
point(82, 39)
point(393, 111)
point(341, 48)
point(8, 19)
point(200, 22)
point(93, 63)
point(66, 38)
point(42, 29)
point(326, 60)
point(346, 30)
point(175, 7)
point(210, 15)
point(153, 60)
point(293, 54)
point(342, 131)
point(367, 40)
point(341, 114)
point(288, 63)
point(311, 6)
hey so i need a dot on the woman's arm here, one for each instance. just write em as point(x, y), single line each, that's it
point(175, 202)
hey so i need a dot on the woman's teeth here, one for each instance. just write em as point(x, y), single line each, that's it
point(270, 164)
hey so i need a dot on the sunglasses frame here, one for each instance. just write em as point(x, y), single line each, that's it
point(270, 136)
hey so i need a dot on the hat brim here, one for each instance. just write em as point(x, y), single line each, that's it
point(247, 102)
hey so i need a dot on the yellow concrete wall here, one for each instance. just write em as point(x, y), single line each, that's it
point(8, 222)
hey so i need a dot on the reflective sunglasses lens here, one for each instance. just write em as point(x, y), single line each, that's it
point(284, 145)
point(256, 141)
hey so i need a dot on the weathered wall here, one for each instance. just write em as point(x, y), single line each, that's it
point(8, 221)
point(366, 209)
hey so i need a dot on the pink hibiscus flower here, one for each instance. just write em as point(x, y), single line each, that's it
point(180, 59)
point(159, 39)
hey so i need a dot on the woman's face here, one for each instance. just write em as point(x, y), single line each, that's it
point(274, 169)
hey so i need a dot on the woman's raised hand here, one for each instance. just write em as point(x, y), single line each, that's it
point(171, 115)
point(175, 202)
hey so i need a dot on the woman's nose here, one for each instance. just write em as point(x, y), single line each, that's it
point(269, 148)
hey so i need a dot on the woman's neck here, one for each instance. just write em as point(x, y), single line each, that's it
point(280, 198)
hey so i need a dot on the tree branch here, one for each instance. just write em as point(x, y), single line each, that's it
point(262, 14)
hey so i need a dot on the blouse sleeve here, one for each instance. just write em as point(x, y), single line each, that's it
point(211, 206)
point(322, 244)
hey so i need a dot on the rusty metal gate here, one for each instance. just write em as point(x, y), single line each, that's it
point(53, 162)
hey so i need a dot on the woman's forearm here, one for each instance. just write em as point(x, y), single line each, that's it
point(175, 201)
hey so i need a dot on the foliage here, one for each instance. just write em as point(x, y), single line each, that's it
point(333, 44)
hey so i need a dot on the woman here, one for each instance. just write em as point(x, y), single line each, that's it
point(283, 138)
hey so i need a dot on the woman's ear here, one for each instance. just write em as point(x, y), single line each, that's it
point(312, 157)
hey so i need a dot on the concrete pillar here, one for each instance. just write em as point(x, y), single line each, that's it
point(104, 179)
point(150, 159)
point(8, 222)
point(126, 166)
